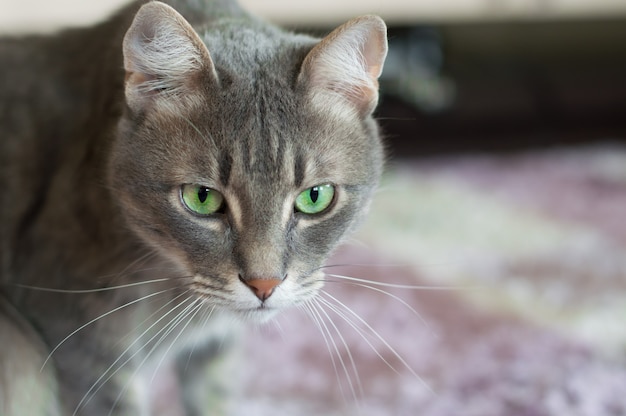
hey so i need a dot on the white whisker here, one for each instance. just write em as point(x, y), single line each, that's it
point(312, 312)
point(354, 242)
point(182, 315)
point(350, 357)
point(399, 299)
point(208, 313)
point(377, 265)
point(361, 332)
point(189, 317)
point(98, 318)
point(279, 329)
point(206, 136)
point(152, 315)
point(399, 286)
point(101, 381)
point(139, 260)
point(102, 289)
point(373, 333)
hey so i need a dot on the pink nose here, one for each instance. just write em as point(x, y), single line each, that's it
point(262, 288)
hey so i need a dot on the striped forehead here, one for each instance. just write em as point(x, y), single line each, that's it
point(263, 146)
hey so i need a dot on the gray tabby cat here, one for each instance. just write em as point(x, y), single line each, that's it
point(162, 173)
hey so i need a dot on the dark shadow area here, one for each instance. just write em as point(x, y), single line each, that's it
point(503, 86)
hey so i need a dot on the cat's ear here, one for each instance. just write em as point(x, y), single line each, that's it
point(348, 63)
point(163, 57)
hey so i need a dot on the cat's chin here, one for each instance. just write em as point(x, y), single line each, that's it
point(259, 315)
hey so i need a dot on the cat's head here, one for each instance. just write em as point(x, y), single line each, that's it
point(245, 153)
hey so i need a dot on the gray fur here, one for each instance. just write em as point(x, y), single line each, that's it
point(91, 167)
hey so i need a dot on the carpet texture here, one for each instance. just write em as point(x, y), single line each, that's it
point(521, 262)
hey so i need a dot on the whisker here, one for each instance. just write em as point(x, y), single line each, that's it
point(397, 298)
point(279, 328)
point(208, 313)
point(361, 332)
point(152, 315)
point(312, 312)
point(98, 318)
point(206, 136)
point(189, 317)
point(139, 260)
point(387, 188)
point(182, 315)
point(101, 381)
point(423, 265)
point(399, 286)
point(328, 266)
point(355, 242)
point(373, 333)
point(102, 289)
point(350, 357)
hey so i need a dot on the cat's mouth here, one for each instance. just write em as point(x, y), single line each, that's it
point(261, 314)
point(255, 300)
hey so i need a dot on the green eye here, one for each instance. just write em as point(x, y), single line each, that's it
point(316, 199)
point(201, 200)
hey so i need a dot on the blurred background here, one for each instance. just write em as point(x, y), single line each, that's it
point(462, 75)
point(503, 207)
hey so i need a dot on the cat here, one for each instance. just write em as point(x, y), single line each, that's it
point(173, 170)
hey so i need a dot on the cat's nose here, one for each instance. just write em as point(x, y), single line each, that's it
point(262, 288)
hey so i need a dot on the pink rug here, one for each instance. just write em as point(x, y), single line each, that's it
point(531, 248)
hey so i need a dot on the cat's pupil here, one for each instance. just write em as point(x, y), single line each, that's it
point(203, 194)
point(314, 194)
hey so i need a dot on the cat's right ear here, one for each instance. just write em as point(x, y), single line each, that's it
point(164, 58)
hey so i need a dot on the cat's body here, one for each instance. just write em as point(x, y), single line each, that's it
point(114, 143)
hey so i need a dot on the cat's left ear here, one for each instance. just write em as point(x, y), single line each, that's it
point(348, 62)
point(164, 58)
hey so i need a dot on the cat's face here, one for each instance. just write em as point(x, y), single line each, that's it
point(244, 171)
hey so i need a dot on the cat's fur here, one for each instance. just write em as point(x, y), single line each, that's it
point(100, 127)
